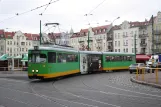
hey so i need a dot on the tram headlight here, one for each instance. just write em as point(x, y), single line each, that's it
point(32, 70)
point(37, 71)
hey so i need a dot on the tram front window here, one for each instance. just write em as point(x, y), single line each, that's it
point(37, 58)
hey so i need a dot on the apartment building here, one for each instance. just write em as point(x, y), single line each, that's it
point(129, 33)
point(97, 38)
point(156, 33)
point(17, 43)
point(59, 38)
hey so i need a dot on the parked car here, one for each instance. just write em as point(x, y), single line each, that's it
point(147, 68)
point(133, 67)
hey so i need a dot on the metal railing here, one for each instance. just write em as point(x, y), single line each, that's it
point(142, 71)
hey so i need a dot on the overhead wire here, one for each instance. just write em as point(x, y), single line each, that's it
point(96, 6)
point(93, 10)
point(46, 7)
point(18, 14)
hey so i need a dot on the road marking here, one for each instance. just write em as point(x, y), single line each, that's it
point(117, 94)
point(34, 94)
point(132, 91)
point(20, 101)
point(79, 97)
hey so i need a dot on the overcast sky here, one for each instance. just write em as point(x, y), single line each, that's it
point(70, 13)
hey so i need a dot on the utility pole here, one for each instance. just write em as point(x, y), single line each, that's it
point(135, 44)
point(88, 39)
point(40, 32)
point(152, 36)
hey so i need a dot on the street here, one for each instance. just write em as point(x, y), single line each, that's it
point(112, 89)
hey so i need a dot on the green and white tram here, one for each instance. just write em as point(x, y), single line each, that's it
point(48, 62)
point(55, 61)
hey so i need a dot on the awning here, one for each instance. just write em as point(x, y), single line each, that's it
point(25, 58)
point(18, 57)
point(4, 57)
point(142, 57)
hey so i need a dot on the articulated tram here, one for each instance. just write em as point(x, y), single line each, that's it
point(55, 61)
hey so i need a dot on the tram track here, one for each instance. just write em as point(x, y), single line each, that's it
point(149, 96)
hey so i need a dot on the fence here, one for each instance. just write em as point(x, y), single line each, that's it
point(141, 71)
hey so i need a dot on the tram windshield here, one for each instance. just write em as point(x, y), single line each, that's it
point(37, 58)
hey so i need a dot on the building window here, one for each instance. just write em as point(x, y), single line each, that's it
point(115, 35)
point(26, 43)
point(115, 50)
point(8, 42)
point(132, 33)
point(115, 43)
point(126, 49)
point(22, 43)
point(127, 42)
point(119, 43)
point(118, 50)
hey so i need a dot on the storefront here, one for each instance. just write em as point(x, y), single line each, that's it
point(142, 58)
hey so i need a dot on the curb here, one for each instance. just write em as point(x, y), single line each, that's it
point(145, 83)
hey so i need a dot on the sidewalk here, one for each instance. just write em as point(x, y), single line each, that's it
point(12, 73)
point(149, 79)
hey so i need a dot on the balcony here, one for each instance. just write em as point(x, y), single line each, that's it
point(80, 41)
point(110, 47)
point(124, 36)
point(143, 44)
point(157, 32)
point(157, 42)
point(109, 38)
point(143, 35)
point(143, 51)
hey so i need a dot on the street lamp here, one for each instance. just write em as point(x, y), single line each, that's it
point(112, 21)
point(88, 30)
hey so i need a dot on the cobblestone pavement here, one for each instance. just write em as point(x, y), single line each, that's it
point(95, 90)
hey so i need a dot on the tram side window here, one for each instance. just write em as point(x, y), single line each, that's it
point(107, 58)
point(72, 58)
point(51, 57)
point(120, 58)
point(125, 58)
point(61, 57)
point(64, 57)
point(129, 58)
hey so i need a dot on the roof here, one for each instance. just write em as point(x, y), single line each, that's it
point(55, 48)
point(4, 57)
point(115, 53)
point(9, 35)
point(28, 36)
point(138, 24)
point(90, 52)
point(142, 57)
point(54, 35)
point(35, 37)
point(25, 58)
point(96, 30)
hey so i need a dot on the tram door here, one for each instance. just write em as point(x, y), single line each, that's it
point(83, 64)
